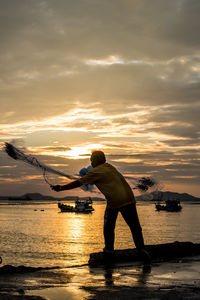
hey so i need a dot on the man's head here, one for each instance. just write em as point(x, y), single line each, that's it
point(97, 158)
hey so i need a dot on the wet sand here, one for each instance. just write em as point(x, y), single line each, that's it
point(176, 279)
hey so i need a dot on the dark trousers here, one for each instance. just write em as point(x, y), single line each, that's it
point(130, 215)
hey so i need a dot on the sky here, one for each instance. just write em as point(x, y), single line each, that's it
point(121, 76)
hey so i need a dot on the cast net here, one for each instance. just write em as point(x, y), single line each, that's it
point(17, 154)
point(142, 184)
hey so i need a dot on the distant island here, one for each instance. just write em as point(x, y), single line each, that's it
point(164, 196)
point(154, 196)
point(38, 196)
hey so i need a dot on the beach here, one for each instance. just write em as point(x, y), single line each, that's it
point(165, 280)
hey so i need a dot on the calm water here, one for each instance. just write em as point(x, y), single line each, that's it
point(33, 237)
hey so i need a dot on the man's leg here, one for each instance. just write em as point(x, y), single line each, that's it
point(129, 213)
point(110, 218)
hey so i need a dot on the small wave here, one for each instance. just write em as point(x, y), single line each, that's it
point(9, 269)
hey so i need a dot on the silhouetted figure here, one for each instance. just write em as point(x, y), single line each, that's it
point(120, 198)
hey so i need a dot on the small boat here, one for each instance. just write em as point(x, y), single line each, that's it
point(81, 206)
point(170, 205)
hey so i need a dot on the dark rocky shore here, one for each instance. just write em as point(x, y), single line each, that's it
point(17, 297)
point(160, 252)
point(175, 274)
point(144, 293)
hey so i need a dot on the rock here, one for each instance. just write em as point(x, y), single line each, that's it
point(160, 252)
point(21, 290)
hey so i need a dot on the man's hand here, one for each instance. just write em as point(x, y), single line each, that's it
point(69, 186)
point(56, 188)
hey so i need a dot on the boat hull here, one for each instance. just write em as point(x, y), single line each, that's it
point(77, 209)
point(170, 209)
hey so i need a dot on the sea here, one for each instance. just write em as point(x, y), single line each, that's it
point(39, 235)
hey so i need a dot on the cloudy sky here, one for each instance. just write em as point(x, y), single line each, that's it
point(117, 75)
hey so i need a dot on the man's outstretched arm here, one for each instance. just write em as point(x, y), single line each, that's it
point(69, 186)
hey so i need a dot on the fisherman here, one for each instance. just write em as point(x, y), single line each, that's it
point(120, 198)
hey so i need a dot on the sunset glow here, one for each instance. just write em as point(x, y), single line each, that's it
point(118, 83)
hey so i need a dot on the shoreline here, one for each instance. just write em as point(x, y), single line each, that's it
point(179, 279)
point(55, 201)
point(38, 201)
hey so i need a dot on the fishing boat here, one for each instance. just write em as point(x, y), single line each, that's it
point(81, 206)
point(170, 205)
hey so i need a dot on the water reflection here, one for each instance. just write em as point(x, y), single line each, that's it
point(35, 238)
point(122, 275)
point(74, 229)
point(108, 275)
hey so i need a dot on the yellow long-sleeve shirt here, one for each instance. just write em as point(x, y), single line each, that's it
point(111, 183)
